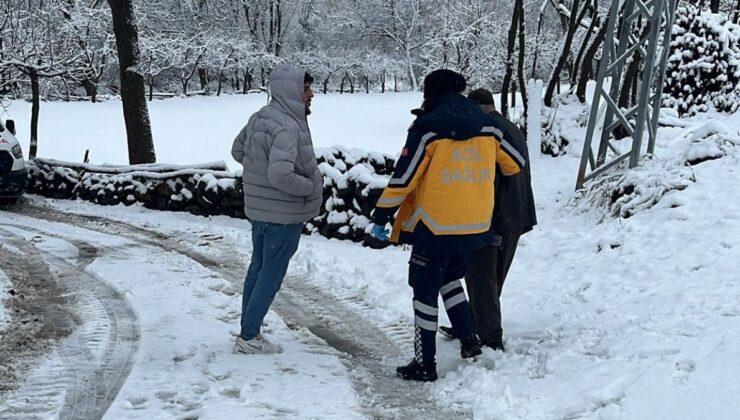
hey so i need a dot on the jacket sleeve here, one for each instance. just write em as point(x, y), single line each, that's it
point(237, 148)
point(281, 172)
point(410, 168)
point(510, 159)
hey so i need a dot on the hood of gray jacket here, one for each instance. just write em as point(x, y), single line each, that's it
point(286, 89)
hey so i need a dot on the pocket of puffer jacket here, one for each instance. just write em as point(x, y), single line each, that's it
point(318, 185)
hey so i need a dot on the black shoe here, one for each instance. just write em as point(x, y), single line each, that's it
point(495, 344)
point(415, 371)
point(470, 347)
point(448, 332)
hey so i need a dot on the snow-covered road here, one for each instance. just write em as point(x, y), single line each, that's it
point(183, 286)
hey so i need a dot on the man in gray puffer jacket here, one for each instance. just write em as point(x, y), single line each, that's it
point(282, 191)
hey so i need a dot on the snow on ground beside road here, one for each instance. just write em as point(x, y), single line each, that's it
point(184, 364)
point(201, 129)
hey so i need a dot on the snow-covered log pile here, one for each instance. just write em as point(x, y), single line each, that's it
point(207, 189)
point(703, 69)
point(353, 181)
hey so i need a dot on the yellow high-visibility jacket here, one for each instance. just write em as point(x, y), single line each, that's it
point(444, 179)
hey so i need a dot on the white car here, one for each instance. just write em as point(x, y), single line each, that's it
point(13, 172)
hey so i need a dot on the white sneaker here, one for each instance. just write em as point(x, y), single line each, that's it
point(257, 345)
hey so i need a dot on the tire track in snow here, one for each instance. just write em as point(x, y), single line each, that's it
point(97, 355)
point(366, 349)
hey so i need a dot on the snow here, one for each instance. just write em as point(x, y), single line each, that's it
point(534, 116)
point(201, 129)
point(604, 317)
point(185, 366)
point(4, 287)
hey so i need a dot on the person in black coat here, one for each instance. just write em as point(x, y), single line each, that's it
point(513, 215)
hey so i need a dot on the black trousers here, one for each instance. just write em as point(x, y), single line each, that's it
point(484, 278)
point(431, 274)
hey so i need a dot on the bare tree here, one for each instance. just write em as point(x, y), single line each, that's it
point(576, 18)
point(509, 60)
point(399, 21)
point(30, 46)
point(133, 96)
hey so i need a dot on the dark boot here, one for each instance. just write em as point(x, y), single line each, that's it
point(470, 347)
point(448, 332)
point(415, 371)
point(494, 343)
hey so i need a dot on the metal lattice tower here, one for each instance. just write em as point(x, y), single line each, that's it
point(633, 26)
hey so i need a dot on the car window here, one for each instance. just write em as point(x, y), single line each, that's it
point(2, 127)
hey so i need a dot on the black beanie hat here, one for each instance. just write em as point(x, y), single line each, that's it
point(443, 82)
point(481, 97)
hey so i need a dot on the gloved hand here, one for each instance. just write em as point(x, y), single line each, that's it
point(381, 233)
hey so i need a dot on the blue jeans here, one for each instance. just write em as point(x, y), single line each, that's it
point(273, 245)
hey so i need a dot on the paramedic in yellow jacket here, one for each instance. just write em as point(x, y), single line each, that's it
point(443, 190)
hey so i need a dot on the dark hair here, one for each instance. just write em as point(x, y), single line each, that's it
point(308, 78)
point(482, 97)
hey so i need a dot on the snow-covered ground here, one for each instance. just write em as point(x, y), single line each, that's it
point(604, 318)
point(187, 315)
point(201, 129)
point(4, 288)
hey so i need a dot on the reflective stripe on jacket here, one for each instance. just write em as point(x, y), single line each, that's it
point(445, 181)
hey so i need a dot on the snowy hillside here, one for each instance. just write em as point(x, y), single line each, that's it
point(605, 317)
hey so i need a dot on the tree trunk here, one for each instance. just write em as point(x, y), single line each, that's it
point(135, 111)
point(395, 83)
point(513, 97)
point(584, 45)
point(626, 99)
point(520, 64)
point(150, 82)
point(575, 19)
point(220, 82)
point(537, 43)
point(587, 65)
point(247, 81)
point(630, 79)
point(203, 76)
point(412, 74)
point(91, 89)
point(341, 84)
point(714, 6)
point(382, 83)
point(35, 104)
point(367, 84)
point(67, 96)
point(509, 63)
point(326, 84)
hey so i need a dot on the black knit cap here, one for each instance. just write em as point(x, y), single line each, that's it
point(481, 97)
point(443, 82)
